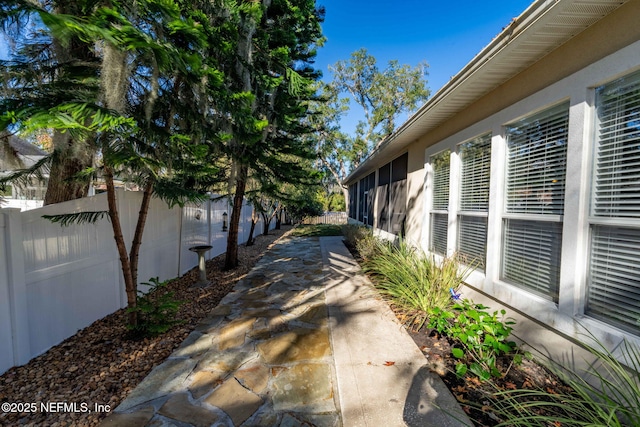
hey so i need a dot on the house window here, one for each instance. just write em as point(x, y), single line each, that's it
point(536, 169)
point(475, 156)
point(367, 186)
point(391, 194)
point(383, 191)
point(613, 286)
point(440, 203)
point(353, 200)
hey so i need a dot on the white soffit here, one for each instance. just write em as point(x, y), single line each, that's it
point(540, 29)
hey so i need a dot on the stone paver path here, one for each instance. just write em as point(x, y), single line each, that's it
point(262, 358)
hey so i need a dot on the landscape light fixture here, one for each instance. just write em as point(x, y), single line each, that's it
point(224, 221)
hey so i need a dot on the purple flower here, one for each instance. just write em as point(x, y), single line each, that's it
point(454, 295)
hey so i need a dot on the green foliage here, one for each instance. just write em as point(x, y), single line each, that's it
point(156, 309)
point(65, 220)
point(483, 336)
point(412, 279)
point(361, 239)
point(317, 230)
point(607, 393)
point(383, 94)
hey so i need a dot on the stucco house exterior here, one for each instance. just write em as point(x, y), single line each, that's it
point(527, 162)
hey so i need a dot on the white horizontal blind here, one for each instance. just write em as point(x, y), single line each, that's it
point(476, 165)
point(439, 233)
point(536, 168)
point(472, 240)
point(617, 184)
point(613, 294)
point(475, 156)
point(613, 285)
point(532, 255)
point(440, 164)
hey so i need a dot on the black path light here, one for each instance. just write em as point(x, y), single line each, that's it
point(224, 221)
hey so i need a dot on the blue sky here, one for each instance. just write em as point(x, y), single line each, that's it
point(447, 35)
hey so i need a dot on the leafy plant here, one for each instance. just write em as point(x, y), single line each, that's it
point(156, 309)
point(605, 394)
point(483, 336)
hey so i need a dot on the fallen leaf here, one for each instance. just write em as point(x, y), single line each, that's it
point(387, 363)
point(510, 386)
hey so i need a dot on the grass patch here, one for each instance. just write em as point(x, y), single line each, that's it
point(317, 230)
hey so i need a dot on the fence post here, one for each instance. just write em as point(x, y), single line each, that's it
point(17, 287)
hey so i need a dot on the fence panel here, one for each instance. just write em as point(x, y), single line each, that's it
point(71, 273)
point(218, 235)
point(56, 280)
point(337, 218)
point(6, 335)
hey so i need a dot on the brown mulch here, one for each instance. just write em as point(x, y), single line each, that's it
point(477, 398)
point(99, 365)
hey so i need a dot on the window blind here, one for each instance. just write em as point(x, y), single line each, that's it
point(613, 285)
point(439, 233)
point(613, 289)
point(472, 240)
point(440, 165)
point(537, 149)
point(476, 165)
point(536, 169)
point(617, 179)
point(531, 256)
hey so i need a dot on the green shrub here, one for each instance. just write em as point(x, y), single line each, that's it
point(483, 337)
point(606, 394)
point(362, 239)
point(156, 309)
point(413, 280)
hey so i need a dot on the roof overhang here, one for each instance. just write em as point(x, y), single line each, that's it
point(540, 29)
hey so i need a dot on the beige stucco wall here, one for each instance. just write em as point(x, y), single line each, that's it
point(612, 33)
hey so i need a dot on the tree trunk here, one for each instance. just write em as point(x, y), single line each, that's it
point(231, 257)
point(64, 166)
point(129, 285)
point(265, 224)
point(137, 236)
point(251, 230)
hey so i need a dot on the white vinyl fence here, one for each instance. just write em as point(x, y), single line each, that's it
point(57, 280)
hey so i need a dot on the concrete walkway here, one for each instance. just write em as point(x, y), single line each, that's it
point(301, 341)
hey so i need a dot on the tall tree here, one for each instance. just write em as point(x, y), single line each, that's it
point(382, 94)
point(271, 77)
point(42, 68)
point(144, 120)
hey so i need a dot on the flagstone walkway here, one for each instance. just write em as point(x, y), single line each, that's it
point(301, 341)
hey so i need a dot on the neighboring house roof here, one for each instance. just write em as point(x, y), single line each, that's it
point(25, 148)
point(25, 151)
point(540, 29)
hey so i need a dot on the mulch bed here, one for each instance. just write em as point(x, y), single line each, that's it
point(475, 397)
point(99, 365)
